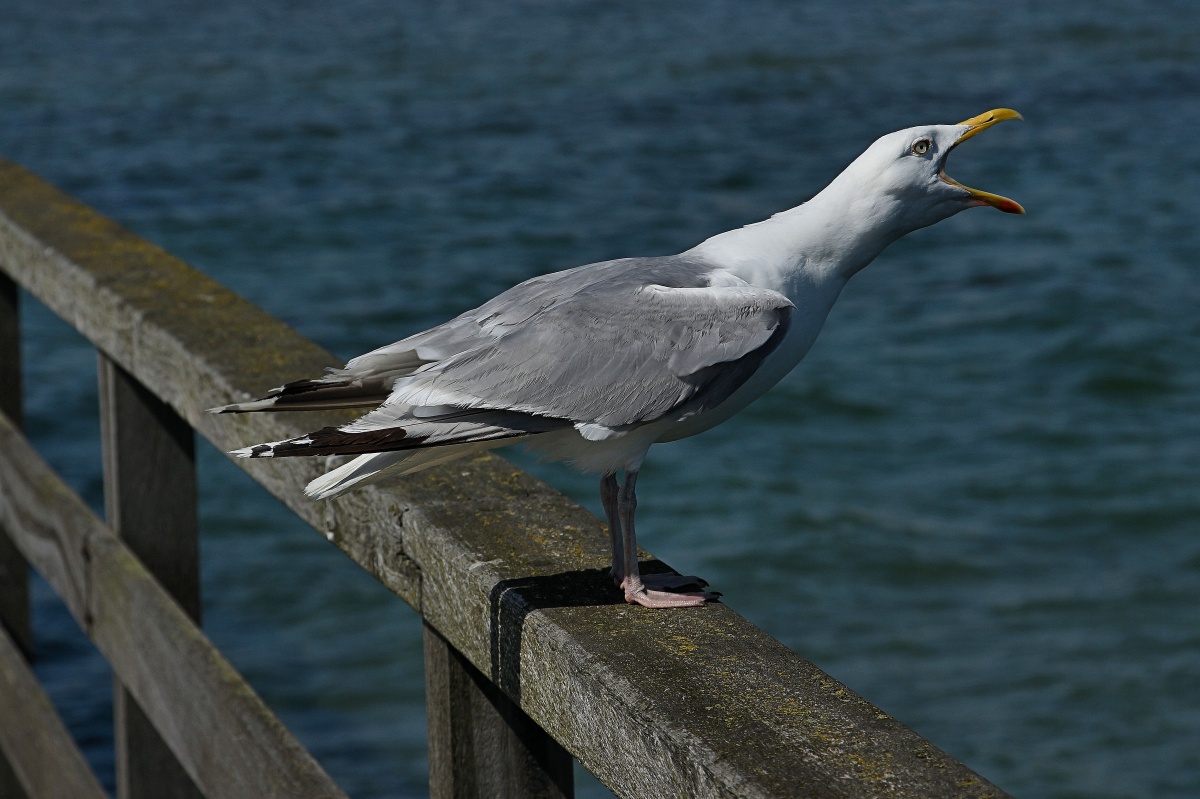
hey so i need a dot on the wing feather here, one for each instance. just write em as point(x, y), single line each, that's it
point(610, 356)
point(604, 348)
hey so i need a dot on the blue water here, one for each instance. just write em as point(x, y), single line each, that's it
point(976, 502)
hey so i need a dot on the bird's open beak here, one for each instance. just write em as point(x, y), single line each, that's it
point(973, 126)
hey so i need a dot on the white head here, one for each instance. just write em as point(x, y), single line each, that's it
point(897, 186)
point(902, 176)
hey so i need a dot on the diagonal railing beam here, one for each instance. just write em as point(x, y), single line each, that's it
point(229, 742)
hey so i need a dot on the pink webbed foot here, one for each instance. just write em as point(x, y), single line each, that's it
point(636, 593)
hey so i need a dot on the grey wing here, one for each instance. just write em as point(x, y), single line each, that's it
point(480, 326)
point(368, 379)
point(612, 345)
point(608, 355)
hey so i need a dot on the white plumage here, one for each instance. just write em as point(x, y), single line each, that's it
point(595, 364)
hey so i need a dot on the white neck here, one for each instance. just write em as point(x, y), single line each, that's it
point(819, 244)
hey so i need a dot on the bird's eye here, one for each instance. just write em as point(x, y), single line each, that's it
point(920, 147)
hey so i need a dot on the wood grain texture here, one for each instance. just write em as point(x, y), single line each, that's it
point(150, 502)
point(227, 740)
point(14, 571)
point(43, 757)
point(10, 783)
point(481, 745)
point(150, 482)
point(693, 703)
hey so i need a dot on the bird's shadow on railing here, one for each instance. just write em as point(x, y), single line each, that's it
point(512, 601)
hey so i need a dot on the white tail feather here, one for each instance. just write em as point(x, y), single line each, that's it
point(244, 407)
point(376, 466)
point(364, 469)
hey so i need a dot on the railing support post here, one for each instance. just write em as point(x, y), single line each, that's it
point(14, 571)
point(150, 501)
point(481, 745)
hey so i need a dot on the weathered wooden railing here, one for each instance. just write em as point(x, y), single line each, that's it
point(530, 655)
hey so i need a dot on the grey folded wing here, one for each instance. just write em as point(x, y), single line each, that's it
point(606, 348)
point(610, 355)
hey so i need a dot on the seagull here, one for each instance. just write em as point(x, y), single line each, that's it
point(595, 364)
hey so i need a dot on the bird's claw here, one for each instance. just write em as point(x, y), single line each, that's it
point(637, 593)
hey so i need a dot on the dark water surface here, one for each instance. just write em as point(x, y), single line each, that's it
point(976, 502)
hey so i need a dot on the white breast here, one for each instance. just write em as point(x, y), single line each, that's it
point(812, 308)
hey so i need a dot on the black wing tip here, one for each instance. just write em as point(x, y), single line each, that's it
point(256, 451)
point(333, 441)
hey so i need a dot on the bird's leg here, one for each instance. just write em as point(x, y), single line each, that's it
point(608, 498)
point(635, 590)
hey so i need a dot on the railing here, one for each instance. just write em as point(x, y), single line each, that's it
point(531, 656)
